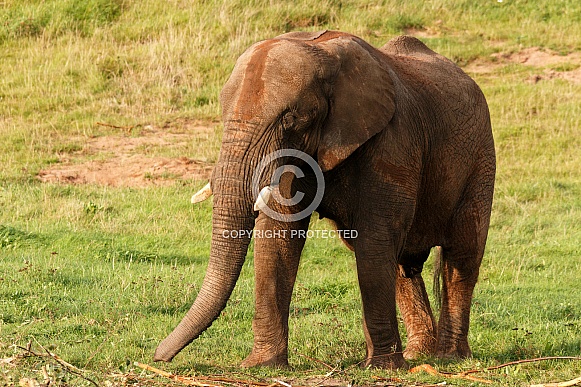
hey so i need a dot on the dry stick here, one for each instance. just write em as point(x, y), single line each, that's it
point(46, 378)
point(331, 368)
point(147, 367)
point(526, 361)
point(400, 382)
point(176, 378)
point(97, 350)
point(9, 360)
point(284, 384)
point(424, 367)
point(462, 375)
point(335, 370)
point(69, 367)
point(466, 374)
point(186, 380)
point(134, 379)
point(568, 383)
point(109, 333)
point(192, 381)
point(127, 128)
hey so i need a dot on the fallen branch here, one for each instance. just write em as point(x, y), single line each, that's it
point(149, 368)
point(462, 375)
point(69, 367)
point(393, 382)
point(568, 383)
point(467, 374)
point(526, 361)
point(202, 382)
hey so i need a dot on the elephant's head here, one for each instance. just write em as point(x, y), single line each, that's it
point(323, 93)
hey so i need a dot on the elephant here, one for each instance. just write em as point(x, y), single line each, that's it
point(400, 138)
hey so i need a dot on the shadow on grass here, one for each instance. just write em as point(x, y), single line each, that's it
point(11, 237)
point(516, 353)
point(139, 256)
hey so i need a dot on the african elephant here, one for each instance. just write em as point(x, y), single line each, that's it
point(403, 140)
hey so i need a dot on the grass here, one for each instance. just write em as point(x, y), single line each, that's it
point(98, 275)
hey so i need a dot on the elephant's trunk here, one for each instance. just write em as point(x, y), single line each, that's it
point(232, 211)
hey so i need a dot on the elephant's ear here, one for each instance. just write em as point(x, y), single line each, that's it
point(361, 99)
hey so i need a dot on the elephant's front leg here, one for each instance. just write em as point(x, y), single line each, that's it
point(376, 271)
point(277, 250)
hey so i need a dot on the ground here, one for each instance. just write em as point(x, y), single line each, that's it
point(129, 158)
point(549, 64)
point(134, 157)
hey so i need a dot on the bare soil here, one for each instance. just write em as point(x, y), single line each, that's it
point(127, 160)
point(549, 64)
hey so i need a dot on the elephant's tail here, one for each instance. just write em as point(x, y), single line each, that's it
point(437, 287)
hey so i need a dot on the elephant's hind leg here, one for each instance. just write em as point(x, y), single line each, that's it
point(461, 258)
point(412, 300)
point(460, 272)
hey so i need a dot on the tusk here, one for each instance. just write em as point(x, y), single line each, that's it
point(202, 194)
point(263, 198)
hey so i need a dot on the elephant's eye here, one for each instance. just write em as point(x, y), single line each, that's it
point(288, 120)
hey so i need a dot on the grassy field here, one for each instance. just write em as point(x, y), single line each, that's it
point(98, 275)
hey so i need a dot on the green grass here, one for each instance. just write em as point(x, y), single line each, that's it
point(99, 275)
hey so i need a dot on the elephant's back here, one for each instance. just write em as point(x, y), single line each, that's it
point(406, 45)
point(413, 61)
point(451, 98)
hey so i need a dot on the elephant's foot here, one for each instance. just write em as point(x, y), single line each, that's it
point(391, 361)
point(420, 346)
point(265, 359)
point(453, 349)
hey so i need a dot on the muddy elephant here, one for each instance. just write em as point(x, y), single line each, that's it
point(401, 142)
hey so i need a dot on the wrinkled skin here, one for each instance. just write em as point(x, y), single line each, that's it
point(403, 138)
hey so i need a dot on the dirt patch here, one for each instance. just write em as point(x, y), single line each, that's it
point(551, 64)
point(535, 56)
point(573, 76)
point(128, 171)
point(134, 160)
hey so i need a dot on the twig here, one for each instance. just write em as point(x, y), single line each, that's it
point(204, 380)
point(9, 360)
point(209, 381)
point(526, 361)
point(149, 368)
point(462, 375)
point(399, 382)
point(69, 367)
point(229, 380)
point(182, 379)
point(126, 128)
point(331, 368)
point(568, 383)
point(284, 384)
point(466, 374)
point(45, 376)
